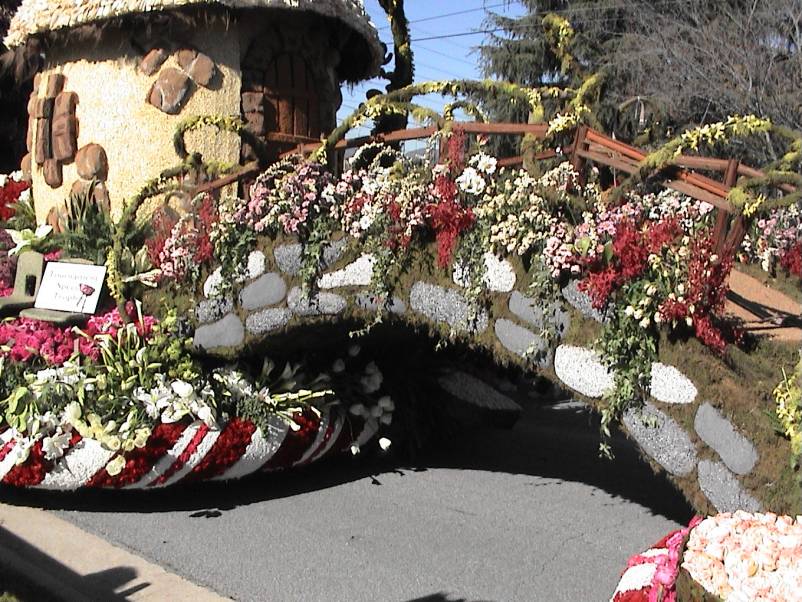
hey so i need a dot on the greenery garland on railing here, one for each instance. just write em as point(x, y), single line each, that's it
point(466, 106)
point(399, 100)
point(741, 196)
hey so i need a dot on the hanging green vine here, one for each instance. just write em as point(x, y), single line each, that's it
point(399, 100)
point(224, 123)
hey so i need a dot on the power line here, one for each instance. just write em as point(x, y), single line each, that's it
point(567, 11)
point(454, 14)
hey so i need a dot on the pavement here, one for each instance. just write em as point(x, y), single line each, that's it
point(526, 514)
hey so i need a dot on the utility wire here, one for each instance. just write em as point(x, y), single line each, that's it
point(567, 11)
point(454, 14)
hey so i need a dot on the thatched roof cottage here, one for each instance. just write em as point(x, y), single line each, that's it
point(120, 75)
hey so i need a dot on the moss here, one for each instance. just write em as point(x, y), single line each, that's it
point(689, 590)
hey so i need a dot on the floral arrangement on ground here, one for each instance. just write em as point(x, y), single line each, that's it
point(737, 556)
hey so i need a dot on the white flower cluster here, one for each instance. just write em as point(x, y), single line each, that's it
point(475, 178)
point(519, 218)
point(170, 402)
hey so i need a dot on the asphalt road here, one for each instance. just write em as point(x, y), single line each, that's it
point(524, 514)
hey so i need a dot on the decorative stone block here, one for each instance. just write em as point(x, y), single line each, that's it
point(358, 273)
point(65, 104)
point(580, 369)
point(210, 310)
point(31, 107)
point(735, 450)
point(267, 320)
point(26, 167)
point(256, 264)
point(320, 304)
point(56, 218)
point(29, 134)
point(170, 90)
point(333, 251)
point(212, 283)
point(228, 332)
point(201, 69)
point(44, 108)
point(92, 163)
point(368, 302)
point(525, 308)
point(42, 148)
point(499, 274)
point(53, 173)
point(669, 385)
point(153, 61)
point(99, 193)
point(288, 258)
point(253, 102)
point(582, 302)
point(268, 289)
point(445, 306)
point(522, 342)
point(54, 85)
point(662, 438)
point(65, 138)
point(723, 489)
point(476, 392)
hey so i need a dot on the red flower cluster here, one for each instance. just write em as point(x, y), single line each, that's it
point(162, 227)
point(791, 260)
point(454, 151)
point(448, 219)
point(207, 217)
point(631, 250)
point(707, 289)
point(9, 195)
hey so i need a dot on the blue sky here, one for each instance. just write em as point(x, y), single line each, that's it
point(449, 58)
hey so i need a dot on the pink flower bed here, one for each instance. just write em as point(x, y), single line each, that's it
point(23, 339)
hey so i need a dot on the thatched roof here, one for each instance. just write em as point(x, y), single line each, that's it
point(38, 17)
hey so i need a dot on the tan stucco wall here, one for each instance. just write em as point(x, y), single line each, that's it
point(112, 111)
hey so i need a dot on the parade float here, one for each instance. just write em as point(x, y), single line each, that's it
point(207, 293)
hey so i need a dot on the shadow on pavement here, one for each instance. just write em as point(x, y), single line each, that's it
point(36, 576)
point(558, 442)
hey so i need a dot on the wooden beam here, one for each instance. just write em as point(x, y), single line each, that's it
point(609, 161)
point(699, 194)
point(248, 169)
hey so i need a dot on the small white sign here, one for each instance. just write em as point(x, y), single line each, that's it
point(73, 287)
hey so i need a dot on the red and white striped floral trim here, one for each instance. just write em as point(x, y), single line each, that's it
point(176, 454)
point(651, 576)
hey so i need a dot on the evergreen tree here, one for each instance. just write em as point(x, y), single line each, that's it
point(669, 64)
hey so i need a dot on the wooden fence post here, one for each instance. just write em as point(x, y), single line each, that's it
point(723, 217)
point(578, 162)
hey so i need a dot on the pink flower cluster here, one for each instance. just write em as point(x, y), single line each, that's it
point(23, 340)
point(744, 556)
point(290, 196)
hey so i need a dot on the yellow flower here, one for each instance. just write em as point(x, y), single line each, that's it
point(116, 466)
